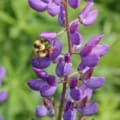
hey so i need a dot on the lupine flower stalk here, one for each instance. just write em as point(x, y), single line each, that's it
point(77, 91)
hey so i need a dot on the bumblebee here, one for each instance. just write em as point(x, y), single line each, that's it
point(42, 48)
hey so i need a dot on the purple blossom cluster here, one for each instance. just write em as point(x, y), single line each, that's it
point(3, 93)
point(77, 97)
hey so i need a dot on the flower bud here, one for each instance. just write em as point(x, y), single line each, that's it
point(74, 82)
point(74, 3)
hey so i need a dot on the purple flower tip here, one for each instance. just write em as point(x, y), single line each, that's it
point(89, 109)
point(74, 3)
point(2, 74)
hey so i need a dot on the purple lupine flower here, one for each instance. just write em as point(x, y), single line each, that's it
point(47, 86)
point(74, 3)
point(3, 96)
point(80, 91)
point(89, 109)
point(64, 67)
point(90, 55)
point(41, 111)
point(88, 17)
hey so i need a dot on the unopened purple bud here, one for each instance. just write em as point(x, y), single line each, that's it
point(3, 96)
point(67, 58)
point(95, 82)
point(74, 26)
point(90, 18)
point(61, 16)
point(74, 82)
point(38, 5)
point(74, 3)
point(70, 114)
point(89, 109)
point(48, 35)
point(53, 9)
point(76, 38)
point(41, 111)
point(35, 84)
point(47, 91)
point(75, 93)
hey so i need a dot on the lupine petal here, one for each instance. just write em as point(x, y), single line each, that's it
point(74, 82)
point(52, 80)
point(74, 26)
point(75, 93)
point(1, 118)
point(40, 63)
point(70, 115)
point(67, 69)
point(89, 109)
point(86, 10)
point(34, 84)
point(57, 49)
point(91, 44)
point(48, 35)
point(38, 5)
point(90, 61)
point(53, 9)
point(76, 38)
point(74, 3)
point(90, 18)
point(41, 111)
point(100, 50)
point(2, 74)
point(61, 16)
point(47, 90)
point(95, 82)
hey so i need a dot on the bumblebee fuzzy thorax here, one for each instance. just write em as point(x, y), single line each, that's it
point(41, 48)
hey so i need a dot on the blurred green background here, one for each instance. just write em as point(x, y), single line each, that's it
point(20, 25)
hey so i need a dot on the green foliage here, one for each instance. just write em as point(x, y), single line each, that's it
point(20, 25)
